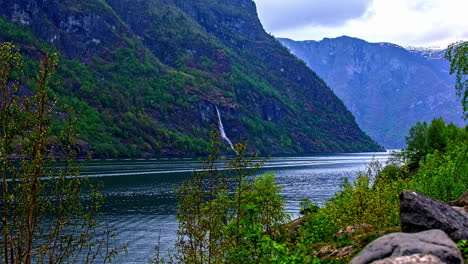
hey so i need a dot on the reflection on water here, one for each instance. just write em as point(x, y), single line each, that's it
point(140, 198)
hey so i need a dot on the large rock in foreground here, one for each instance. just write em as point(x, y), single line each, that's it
point(416, 259)
point(420, 213)
point(432, 242)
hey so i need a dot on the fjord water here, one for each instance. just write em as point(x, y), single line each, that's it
point(140, 199)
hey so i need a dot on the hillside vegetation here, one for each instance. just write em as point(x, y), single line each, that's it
point(146, 77)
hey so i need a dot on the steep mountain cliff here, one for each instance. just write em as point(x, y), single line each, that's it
point(386, 87)
point(147, 76)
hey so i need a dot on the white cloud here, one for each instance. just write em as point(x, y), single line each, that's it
point(404, 22)
point(281, 14)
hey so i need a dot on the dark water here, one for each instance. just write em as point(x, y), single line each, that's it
point(141, 204)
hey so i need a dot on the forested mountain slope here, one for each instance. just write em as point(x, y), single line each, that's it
point(147, 75)
point(386, 87)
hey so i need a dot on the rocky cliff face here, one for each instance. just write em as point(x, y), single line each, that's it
point(79, 30)
point(149, 73)
point(387, 88)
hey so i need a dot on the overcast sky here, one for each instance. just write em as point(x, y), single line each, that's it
point(421, 23)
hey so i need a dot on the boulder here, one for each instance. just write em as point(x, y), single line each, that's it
point(432, 242)
point(463, 210)
point(416, 258)
point(462, 201)
point(420, 213)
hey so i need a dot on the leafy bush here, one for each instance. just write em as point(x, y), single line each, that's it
point(262, 217)
point(463, 246)
point(373, 198)
point(308, 207)
point(319, 228)
point(225, 216)
point(443, 176)
point(437, 155)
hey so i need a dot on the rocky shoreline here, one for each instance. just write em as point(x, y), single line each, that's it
point(428, 233)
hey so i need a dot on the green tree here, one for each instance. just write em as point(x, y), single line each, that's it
point(43, 216)
point(436, 137)
point(457, 54)
point(202, 212)
point(262, 217)
point(416, 148)
point(226, 215)
point(444, 176)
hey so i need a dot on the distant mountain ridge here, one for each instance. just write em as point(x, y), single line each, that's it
point(147, 77)
point(388, 88)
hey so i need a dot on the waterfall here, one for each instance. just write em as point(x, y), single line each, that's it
point(222, 133)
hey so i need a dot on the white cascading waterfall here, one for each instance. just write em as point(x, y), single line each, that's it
point(222, 133)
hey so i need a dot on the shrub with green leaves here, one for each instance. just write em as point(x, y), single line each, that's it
point(372, 198)
point(463, 246)
point(226, 215)
point(443, 176)
point(437, 155)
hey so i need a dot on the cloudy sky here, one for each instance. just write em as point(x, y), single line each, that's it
point(422, 23)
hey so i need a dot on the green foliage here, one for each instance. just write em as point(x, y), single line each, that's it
point(436, 138)
point(434, 164)
point(392, 171)
point(261, 217)
point(111, 98)
point(308, 207)
point(457, 54)
point(250, 208)
point(21, 34)
point(463, 246)
point(44, 218)
point(426, 139)
point(319, 227)
point(278, 253)
point(135, 95)
point(373, 198)
point(437, 155)
point(226, 216)
point(203, 205)
point(416, 149)
point(443, 176)
point(263, 198)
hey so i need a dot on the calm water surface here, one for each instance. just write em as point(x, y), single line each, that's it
point(141, 205)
